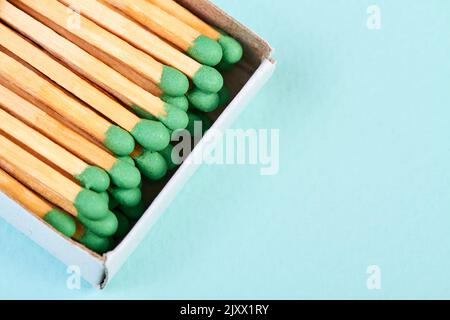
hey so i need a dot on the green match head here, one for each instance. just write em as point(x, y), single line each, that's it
point(95, 243)
point(125, 175)
point(91, 205)
point(119, 141)
point(61, 221)
point(141, 113)
point(136, 212)
point(232, 49)
point(208, 79)
point(152, 165)
point(104, 228)
point(224, 96)
point(127, 197)
point(206, 51)
point(128, 159)
point(194, 118)
point(175, 118)
point(152, 135)
point(94, 178)
point(204, 101)
point(180, 102)
point(124, 225)
point(168, 155)
point(173, 82)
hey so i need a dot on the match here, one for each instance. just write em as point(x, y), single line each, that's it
point(75, 199)
point(203, 101)
point(90, 177)
point(232, 49)
point(91, 240)
point(58, 219)
point(87, 111)
point(126, 197)
point(144, 131)
point(105, 45)
point(103, 228)
point(203, 49)
point(13, 73)
point(55, 217)
point(92, 68)
point(151, 164)
point(122, 174)
point(204, 77)
point(168, 155)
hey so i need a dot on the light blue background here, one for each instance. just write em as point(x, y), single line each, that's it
point(364, 180)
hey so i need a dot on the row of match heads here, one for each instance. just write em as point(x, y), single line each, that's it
point(86, 111)
point(94, 212)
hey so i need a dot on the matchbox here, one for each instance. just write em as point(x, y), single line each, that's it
point(244, 81)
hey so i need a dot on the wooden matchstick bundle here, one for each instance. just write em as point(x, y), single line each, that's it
point(88, 105)
point(75, 199)
point(92, 68)
point(15, 74)
point(178, 26)
point(90, 208)
point(91, 177)
point(57, 218)
point(122, 174)
point(204, 77)
point(232, 50)
point(148, 133)
point(103, 44)
point(164, 18)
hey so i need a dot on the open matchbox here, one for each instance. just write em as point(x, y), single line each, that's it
point(244, 81)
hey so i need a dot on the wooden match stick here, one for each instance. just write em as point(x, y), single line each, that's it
point(150, 134)
point(104, 227)
point(64, 192)
point(201, 48)
point(232, 50)
point(44, 210)
point(122, 174)
point(51, 195)
point(204, 77)
point(113, 137)
point(61, 221)
point(90, 177)
point(101, 43)
point(92, 68)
